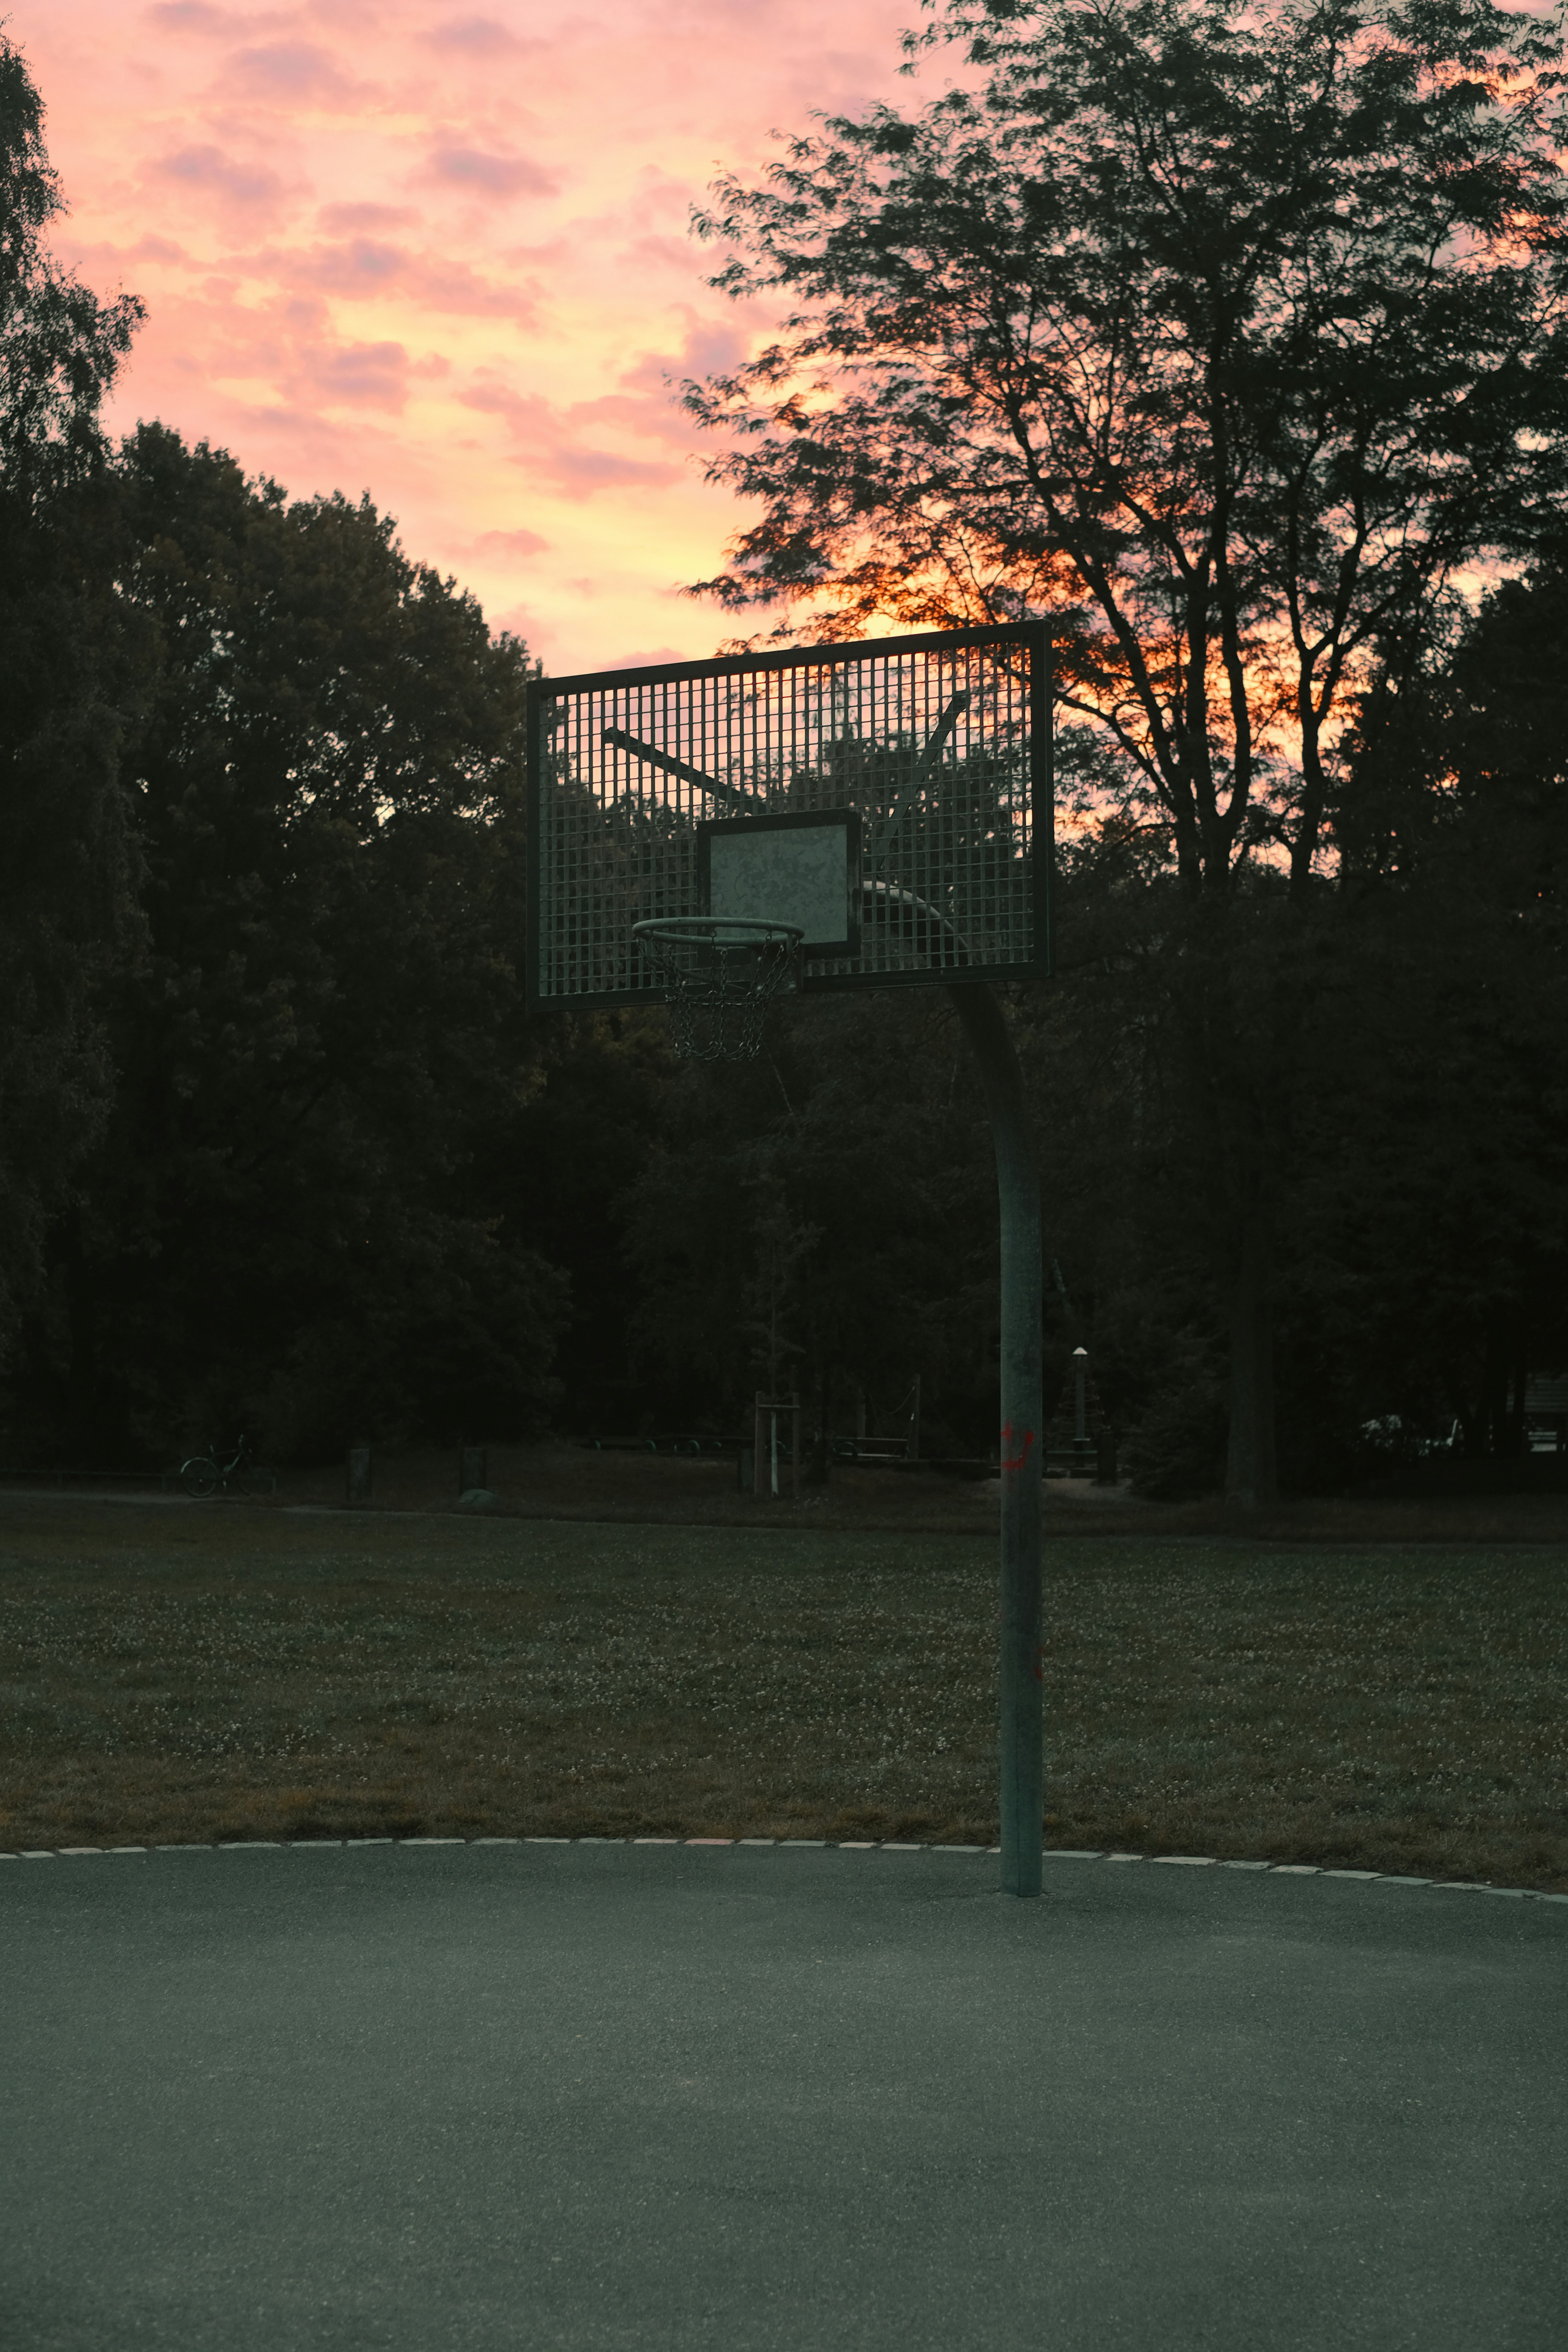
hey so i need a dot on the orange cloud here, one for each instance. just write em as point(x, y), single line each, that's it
point(515, 543)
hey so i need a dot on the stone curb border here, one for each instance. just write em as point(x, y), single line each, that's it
point(839, 1845)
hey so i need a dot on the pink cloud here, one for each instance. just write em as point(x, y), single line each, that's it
point(647, 406)
point(581, 472)
point(190, 16)
point(671, 253)
point(359, 376)
point(485, 175)
point(710, 347)
point(368, 346)
point(343, 220)
point(539, 631)
point(544, 442)
point(289, 70)
point(362, 266)
point(477, 37)
point(366, 267)
point(205, 171)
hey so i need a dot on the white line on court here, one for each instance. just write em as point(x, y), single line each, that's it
point(784, 1845)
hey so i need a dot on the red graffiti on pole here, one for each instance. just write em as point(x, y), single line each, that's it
point(1015, 1461)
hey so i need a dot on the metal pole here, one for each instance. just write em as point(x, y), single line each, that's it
point(1018, 1187)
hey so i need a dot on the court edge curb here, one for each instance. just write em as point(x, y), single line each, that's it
point(784, 1845)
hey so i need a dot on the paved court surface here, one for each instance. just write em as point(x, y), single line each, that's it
point(598, 2096)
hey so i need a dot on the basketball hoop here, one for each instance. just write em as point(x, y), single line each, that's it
point(722, 976)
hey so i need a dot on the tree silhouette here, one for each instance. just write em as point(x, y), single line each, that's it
point(1227, 336)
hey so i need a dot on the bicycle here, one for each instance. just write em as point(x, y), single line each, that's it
point(202, 1476)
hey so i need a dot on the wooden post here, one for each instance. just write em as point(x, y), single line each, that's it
point(768, 1409)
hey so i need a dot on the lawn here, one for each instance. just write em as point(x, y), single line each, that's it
point(174, 1673)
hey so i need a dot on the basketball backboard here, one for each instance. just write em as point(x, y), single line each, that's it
point(891, 799)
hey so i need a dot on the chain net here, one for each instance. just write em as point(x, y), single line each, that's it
point(719, 979)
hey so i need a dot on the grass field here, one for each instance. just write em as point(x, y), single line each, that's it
point(171, 1673)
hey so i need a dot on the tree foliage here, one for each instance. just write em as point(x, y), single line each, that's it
point(70, 679)
point(1225, 335)
point(61, 347)
point(322, 1021)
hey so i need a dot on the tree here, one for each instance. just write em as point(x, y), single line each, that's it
point(1440, 1117)
point(823, 1214)
point(1225, 336)
point(63, 879)
point(322, 1026)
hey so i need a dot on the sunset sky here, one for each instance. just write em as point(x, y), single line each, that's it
point(440, 254)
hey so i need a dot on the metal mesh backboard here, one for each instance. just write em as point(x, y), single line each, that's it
point(916, 768)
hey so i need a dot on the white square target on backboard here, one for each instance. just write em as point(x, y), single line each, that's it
point(802, 869)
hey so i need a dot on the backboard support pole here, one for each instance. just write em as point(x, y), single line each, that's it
point(1022, 1713)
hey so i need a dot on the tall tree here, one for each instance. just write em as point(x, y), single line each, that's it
point(1441, 1114)
point(281, 1221)
point(65, 684)
point(1225, 335)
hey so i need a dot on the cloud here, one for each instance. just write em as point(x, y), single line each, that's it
point(647, 405)
point(485, 175)
point(291, 71)
point(343, 220)
point(359, 376)
point(581, 472)
point(669, 252)
point(477, 37)
point(543, 442)
point(648, 658)
point(710, 347)
point(540, 632)
point(364, 267)
point(157, 248)
point(515, 543)
point(190, 16)
point(206, 171)
point(293, 345)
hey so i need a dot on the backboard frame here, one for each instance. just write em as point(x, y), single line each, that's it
point(1028, 641)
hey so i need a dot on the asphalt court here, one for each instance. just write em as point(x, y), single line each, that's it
point(606, 2095)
